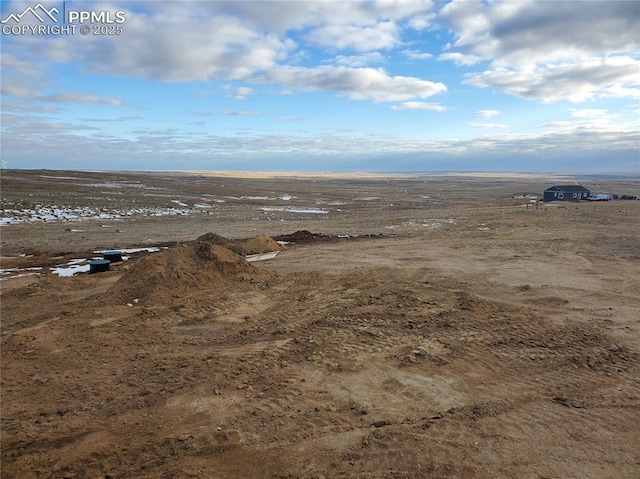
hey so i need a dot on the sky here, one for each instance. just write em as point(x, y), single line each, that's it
point(322, 86)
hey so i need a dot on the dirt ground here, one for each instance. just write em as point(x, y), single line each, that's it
point(410, 327)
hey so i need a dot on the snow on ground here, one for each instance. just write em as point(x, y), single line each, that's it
point(74, 266)
point(80, 265)
point(433, 224)
point(267, 198)
point(11, 273)
point(42, 213)
point(295, 210)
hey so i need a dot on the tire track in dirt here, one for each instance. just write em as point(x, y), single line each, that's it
point(370, 370)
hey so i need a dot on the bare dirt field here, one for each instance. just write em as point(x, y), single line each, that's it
point(409, 327)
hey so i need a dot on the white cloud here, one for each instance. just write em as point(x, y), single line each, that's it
point(416, 54)
point(249, 41)
point(362, 38)
point(205, 49)
point(418, 105)
point(15, 90)
point(487, 125)
point(290, 118)
point(208, 48)
point(575, 82)
point(40, 142)
point(282, 16)
point(120, 119)
point(471, 22)
point(421, 22)
point(589, 113)
point(238, 92)
point(26, 81)
point(459, 58)
point(520, 34)
point(355, 83)
point(550, 51)
point(21, 79)
point(79, 98)
point(592, 126)
point(487, 114)
point(361, 60)
point(28, 107)
point(18, 67)
point(239, 113)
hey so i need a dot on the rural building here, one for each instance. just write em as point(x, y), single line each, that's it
point(566, 193)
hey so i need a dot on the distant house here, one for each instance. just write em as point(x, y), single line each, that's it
point(566, 193)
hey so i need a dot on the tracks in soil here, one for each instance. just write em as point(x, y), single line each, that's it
point(347, 372)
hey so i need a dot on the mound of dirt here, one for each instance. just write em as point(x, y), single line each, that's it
point(215, 238)
point(198, 265)
point(302, 236)
point(260, 244)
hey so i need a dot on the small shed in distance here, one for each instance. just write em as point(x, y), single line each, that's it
point(566, 193)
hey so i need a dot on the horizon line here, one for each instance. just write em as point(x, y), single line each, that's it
point(345, 174)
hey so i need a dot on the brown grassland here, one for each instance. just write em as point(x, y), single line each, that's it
point(414, 326)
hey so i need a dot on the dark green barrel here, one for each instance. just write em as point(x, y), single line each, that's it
point(99, 265)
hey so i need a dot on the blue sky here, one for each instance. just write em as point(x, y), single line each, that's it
point(529, 86)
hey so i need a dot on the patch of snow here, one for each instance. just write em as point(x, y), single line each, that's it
point(13, 270)
point(269, 198)
point(121, 184)
point(58, 177)
point(66, 271)
point(431, 223)
point(55, 213)
point(317, 211)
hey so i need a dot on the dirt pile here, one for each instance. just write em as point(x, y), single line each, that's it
point(258, 244)
point(302, 236)
point(214, 238)
point(194, 266)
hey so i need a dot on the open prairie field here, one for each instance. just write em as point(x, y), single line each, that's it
point(409, 327)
